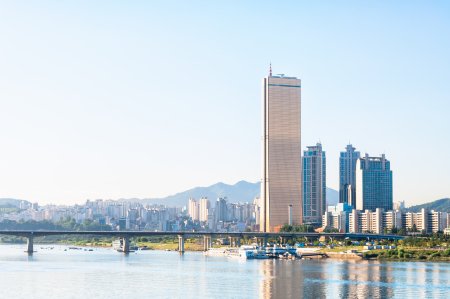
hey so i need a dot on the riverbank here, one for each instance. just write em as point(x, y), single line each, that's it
point(409, 254)
point(194, 244)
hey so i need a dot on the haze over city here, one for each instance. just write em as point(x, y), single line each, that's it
point(110, 100)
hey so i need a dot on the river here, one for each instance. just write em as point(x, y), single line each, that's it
point(103, 273)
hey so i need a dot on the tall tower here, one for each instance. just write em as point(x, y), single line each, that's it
point(373, 183)
point(203, 209)
point(193, 209)
point(347, 168)
point(281, 184)
point(314, 184)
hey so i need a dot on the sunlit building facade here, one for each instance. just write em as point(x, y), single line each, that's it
point(347, 178)
point(314, 184)
point(373, 183)
point(281, 186)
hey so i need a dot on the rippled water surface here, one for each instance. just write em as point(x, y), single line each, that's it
point(104, 273)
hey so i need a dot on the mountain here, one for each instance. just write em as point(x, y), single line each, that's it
point(440, 205)
point(10, 202)
point(242, 191)
point(332, 197)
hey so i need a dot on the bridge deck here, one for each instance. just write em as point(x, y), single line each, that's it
point(38, 233)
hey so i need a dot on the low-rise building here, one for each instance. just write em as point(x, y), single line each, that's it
point(336, 217)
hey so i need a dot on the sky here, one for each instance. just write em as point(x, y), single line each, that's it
point(121, 99)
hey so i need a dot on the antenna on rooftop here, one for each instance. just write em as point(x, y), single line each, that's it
point(270, 69)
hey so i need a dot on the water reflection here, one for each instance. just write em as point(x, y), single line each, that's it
point(353, 279)
point(103, 272)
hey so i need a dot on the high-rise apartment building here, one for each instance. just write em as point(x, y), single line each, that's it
point(347, 168)
point(373, 183)
point(314, 184)
point(221, 210)
point(193, 209)
point(281, 151)
point(203, 208)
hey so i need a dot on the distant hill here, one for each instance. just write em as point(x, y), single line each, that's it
point(332, 197)
point(242, 191)
point(440, 205)
point(10, 202)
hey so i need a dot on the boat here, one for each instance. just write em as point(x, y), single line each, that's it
point(277, 251)
point(248, 252)
point(217, 251)
point(287, 256)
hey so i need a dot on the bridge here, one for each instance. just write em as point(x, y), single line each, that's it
point(234, 237)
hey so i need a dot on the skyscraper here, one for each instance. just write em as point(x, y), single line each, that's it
point(221, 210)
point(193, 209)
point(347, 168)
point(281, 178)
point(373, 183)
point(203, 209)
point(314, 184)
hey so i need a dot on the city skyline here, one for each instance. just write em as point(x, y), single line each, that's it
point(93, 111)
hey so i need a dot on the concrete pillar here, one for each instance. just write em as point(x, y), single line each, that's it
point(126, 245)
point(265, 241)
point(238, 241)
point(30, 244)
point(210, 242)
point(180, 243)
point(206, 242)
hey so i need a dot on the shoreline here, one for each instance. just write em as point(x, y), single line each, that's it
point(394, 255)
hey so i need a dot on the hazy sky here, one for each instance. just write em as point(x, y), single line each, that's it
point(118, 99)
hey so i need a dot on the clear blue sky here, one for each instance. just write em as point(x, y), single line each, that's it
point(118, 99)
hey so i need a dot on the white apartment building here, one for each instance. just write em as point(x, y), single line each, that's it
point(204, 208)
point(193, 209)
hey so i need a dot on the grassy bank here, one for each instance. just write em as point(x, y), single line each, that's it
point(409, 254)
point(188, 245)
point(153, 244)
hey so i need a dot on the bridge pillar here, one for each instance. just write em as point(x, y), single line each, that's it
point(261, 242)
point(126, 245)
point(207, 243)
point(238, 242)
point(30, 244)
point(231, 241)
point(264, 241)
point(180, 243)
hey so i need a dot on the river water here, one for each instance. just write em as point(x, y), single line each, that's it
point(104, 273)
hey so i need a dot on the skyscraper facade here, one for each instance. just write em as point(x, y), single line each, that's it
point(281, 151)
point(347, 168)
point(203, 209)
point(314, 184)
point(193, 209)
point(373, 183)
point(221, 210)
